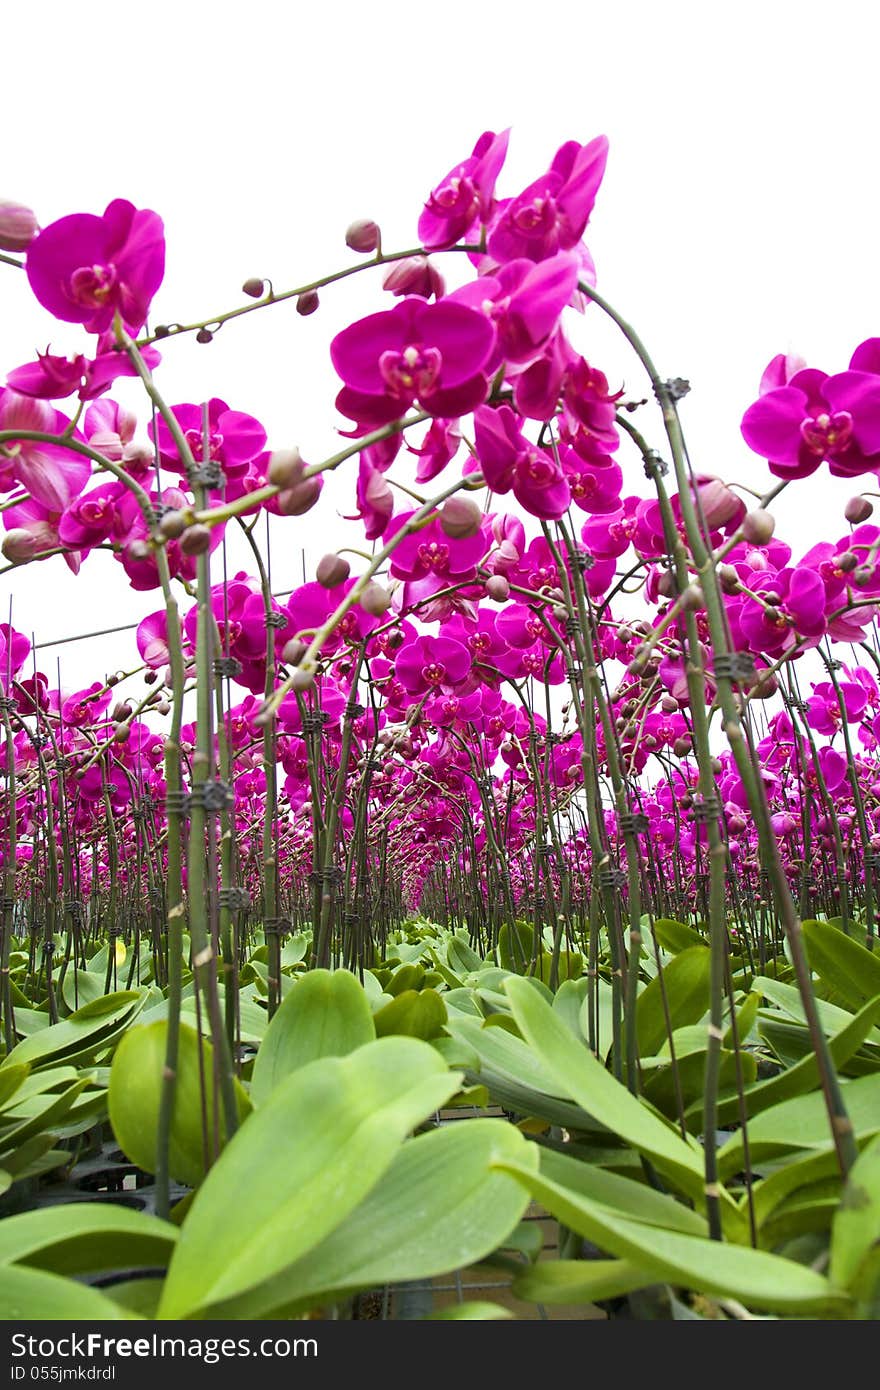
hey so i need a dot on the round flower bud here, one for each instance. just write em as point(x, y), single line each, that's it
point(293, 652)
point(847, 562)
point(138, 551)
point(692, 599)
point(172, 525)
point(375, 600)
point(195, 540)
point(307, 303)
point(332, 570)
point(204, 335)
point(285, 468)
point(18, 226)
point(498, 588)
point(666, 584)
point(150, 677)
point(253, 287)
point(758, 527)
point(19, 545)
point(729, 579)
point(121, 711)
point(682, 746)
point(857, 510)
point(121, 733)
point(460, 518)
point(669, 704)
point(363, 236)
point(295, 501)
point(302, 680)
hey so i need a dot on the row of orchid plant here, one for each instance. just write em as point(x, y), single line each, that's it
point(542, 693)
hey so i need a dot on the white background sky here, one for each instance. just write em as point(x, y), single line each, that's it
point(738, 217)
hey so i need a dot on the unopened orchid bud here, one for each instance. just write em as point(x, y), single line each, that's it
point(666, 584)
point(302, 680)
point(758, 527)
point(20, 545)
point(172, 525)
point(691, 600)
point(332, 570)
point(253, 287)
point(460, 518)
point(150, 677)
point(297, 500)
point(285, 468)
point(375, 600)
point(764, 686)
point(863, 576)
point(720, 505)
point(121, 733)
point(560, 613)
point(204, 335)
point(682, 746)
point(363, 236)
point(195, 540)
point(857, 510)
point(293, 652)
point(415, 275)
point(163, 707)
point(18, 226)
point(847, 562)
point(138, 551)
point(729, 579)
point(497, 588)
point(307, 303)
point(121, 711)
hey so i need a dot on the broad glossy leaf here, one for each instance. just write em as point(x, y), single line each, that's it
point(586, 1081)
point(326, 1014)
point(568, 1003)
point(81, 987)
point(516, 946)
point(578, 1281)
point(413, 1014)
point(634, 1200)
point(675, 936)
point(440, 1206)
point(135, 1095)
point(804, 1075)
point(802, 1123)
point(855, 1230)
point(319, 1143)
point(32, 1295)
point(85, 1033)
point(12, 1077)
point(78, 1237)
point(851, 970)
point(686, 982)
point(758, 1279)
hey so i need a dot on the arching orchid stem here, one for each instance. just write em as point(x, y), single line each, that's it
point(174, 330)
point(839, 1121)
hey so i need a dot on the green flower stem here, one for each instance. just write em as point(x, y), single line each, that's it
point(839, 1121)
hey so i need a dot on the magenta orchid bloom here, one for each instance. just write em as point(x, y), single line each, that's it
point(524, 301)
point(552, 213)
point(595, 488)
point(465, 195)
point(509, 462)
point(824, 714)
point(438, 448)
point(431, 353)
point(93, 517)
point(815, 419)
point(234, 439)
point(426, 664)
point(429, 560)
point(52, 377)
point(86, 269)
